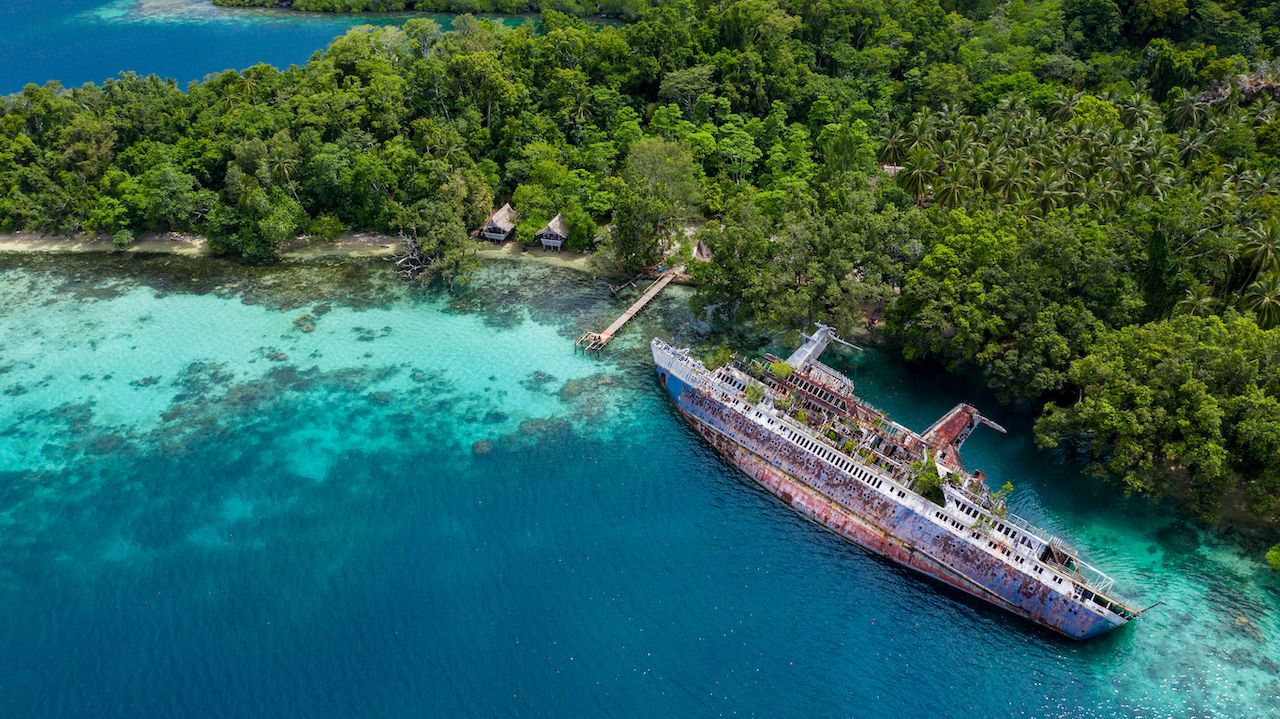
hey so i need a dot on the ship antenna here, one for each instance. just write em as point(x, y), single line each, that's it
point(847, 343)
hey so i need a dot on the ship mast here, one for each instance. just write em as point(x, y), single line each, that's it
point(814, 345)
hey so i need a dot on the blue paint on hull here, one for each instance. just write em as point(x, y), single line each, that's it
point(934, 550)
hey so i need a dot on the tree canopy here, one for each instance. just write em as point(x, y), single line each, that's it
point(1050, 192)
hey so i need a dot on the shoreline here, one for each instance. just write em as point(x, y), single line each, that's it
point(357, 245)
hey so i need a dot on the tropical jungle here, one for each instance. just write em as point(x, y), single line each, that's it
point(1073, 199)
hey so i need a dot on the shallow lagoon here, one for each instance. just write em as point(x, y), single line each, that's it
point(312, 490)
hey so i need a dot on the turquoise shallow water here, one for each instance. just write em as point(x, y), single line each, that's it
point(315, 491)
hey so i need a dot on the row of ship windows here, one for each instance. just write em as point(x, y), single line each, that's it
point(839, 461)
point(1000, 527)
point(990, 544)
point(819, 392)
point(949, 520)
point(1038, 570)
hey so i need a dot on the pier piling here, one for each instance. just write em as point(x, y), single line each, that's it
point(596, 341)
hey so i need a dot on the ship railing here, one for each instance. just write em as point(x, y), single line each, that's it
point(1081, 571)
point(1015, 520)
point(1098, 581)
point(830, 378)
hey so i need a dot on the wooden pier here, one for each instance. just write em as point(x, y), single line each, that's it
point(595, 341)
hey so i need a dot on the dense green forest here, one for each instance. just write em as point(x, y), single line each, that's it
point(627, 9)
point(1076, 199)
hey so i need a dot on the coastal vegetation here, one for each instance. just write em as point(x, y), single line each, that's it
point(1074, 199)
point(627, 9)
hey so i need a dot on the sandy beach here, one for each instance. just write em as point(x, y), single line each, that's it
point(163, 243)
point(355, 245)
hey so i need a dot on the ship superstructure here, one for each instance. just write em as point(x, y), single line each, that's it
point(797, 428)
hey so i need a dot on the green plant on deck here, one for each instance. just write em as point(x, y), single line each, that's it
point(781, 370)
point(999, 496)
point(850, 447)
point(1273, 557)
point(831, 435)
point(754, 393)
point(927, 482)
point(801, 417)
point(783, 403)
point(718, 357)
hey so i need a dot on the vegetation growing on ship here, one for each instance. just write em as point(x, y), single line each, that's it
point(926, 481)
point(1001, 496)
point(754, 393)
point(1073, 188)
point(781, 370)
point(718, 357)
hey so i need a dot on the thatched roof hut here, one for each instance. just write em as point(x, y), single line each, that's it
point(500, 224)
point(555, 234)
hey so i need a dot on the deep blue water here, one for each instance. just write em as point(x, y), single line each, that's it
point(78, 41)
point(314, 491)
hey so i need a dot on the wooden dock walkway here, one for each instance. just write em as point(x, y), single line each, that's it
point(595, 341)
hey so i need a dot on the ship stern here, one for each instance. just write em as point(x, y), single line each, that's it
point(667, 363)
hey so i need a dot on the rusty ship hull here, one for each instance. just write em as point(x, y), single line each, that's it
point(864, 513)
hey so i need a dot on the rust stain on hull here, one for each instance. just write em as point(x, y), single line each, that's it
point(878, 524)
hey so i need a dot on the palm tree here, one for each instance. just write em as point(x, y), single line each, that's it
point(895, 141)
point(949, 117)
point(917, 173)
point(949, 152)
point(953, 186)
point(983, 165)
point(1063, 104)
point(1253, 183)
point(1111, 139)
point(579, 109)
point(1039, 133)
point(1120, 165)
point(1192, 146)
point(1263, 297)
point(1133, 106)
point(1188, 109)
point(1012, 176)
point(1095, 193)
point(1049, 192)
point(1262, 247)
point(1012, 105)
point(1152, 182)
point(1198, 301)
point(921, 131)
point(982, 125)
point(1264, 111)
point(1009, 131)
point(1068, 158)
